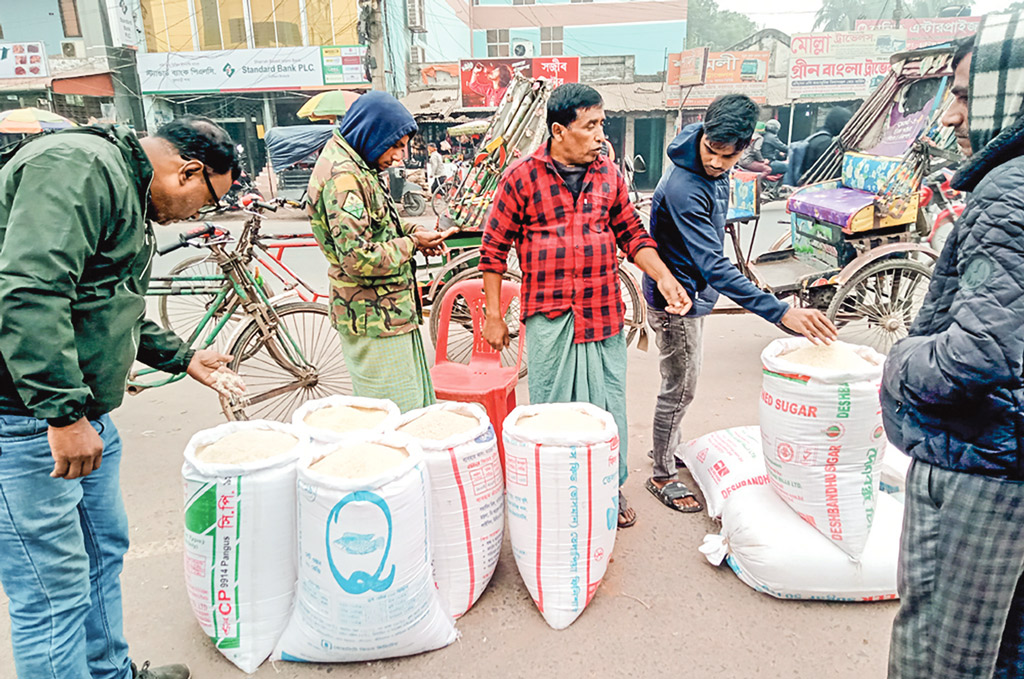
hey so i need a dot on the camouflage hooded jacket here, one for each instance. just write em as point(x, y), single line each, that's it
point(370, 251)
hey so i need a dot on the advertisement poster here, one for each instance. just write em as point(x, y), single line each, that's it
point(285, 68)
point(484, 81)
point(23, 60)
point(728, 73)
point(925, 32)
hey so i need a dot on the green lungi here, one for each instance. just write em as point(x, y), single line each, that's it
point(561, 371)
point(389, 367)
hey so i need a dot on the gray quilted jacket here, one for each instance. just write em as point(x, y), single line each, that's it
point(952, 391)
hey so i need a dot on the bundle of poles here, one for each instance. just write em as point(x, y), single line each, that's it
point(518, 128)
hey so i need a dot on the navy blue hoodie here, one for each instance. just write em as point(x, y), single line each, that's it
point(688, 223)
point(374, 123)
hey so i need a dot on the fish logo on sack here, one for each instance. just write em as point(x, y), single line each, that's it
point(360, 582)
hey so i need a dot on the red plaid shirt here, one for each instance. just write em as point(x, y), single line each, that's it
point(567, 251)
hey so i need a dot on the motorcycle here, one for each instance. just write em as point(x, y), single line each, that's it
point(941, 206)
point(410, 195)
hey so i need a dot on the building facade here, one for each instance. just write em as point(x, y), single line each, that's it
point(648, 30)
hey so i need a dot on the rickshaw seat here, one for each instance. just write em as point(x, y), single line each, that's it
point(484, 380)
point(849, 203)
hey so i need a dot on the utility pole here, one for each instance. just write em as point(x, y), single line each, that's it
point(371, 32)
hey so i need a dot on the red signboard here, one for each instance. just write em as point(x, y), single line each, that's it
point(484, 81)
point(925, 32)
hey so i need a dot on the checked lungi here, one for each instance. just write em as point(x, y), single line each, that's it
point(961, 560)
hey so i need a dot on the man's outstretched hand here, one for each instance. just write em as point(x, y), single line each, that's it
point(812, 324)
point(208, 368)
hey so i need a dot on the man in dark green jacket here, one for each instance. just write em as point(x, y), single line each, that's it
point(75, 249)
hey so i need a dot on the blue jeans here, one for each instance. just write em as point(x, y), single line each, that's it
point(62, 545)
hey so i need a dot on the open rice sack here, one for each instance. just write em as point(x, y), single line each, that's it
point(724, 462)
point(467, 520)
point(771, 549)
point(240, 539)
point(365, 589)
point(337, 418)
point(562, 497)
point(821, 426)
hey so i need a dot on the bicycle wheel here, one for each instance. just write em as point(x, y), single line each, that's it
point(276, 386)
point(632, 304)
point(181, 313)
point(460, 333)
point(878, 304)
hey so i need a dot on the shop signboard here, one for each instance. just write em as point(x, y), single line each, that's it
point(841, 64)
point(739, 72)
point(23, 60)
point(271, 69)
point(925, 32)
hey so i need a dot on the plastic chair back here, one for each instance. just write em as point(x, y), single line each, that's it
point(472, 291)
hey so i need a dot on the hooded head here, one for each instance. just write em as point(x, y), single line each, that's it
point(773, 126)
point(991, 118)
point(374, 124)
point(836, 120)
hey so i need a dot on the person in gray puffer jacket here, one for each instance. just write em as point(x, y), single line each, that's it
point(952, 396)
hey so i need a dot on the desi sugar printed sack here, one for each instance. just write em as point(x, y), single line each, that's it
point(240, 536)
point(821, 427)
point(336, 418)
point(365, 587)
point(467, 497)
point(561, 493)
point(724, 462)
point(771, 549)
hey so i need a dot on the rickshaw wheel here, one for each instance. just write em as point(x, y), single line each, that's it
point(460, 334)
point(877, 306)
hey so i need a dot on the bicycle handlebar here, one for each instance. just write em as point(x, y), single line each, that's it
point(207, 229)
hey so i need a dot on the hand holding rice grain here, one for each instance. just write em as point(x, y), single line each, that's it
point(228, 382)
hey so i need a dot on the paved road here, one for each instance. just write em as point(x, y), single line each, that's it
point(662, 608)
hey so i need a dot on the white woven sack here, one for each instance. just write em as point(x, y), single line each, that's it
point(772, 550)
point(240, 545)
point(561, 496)
point(723, 463)
point(823, 441)
point(365, 588)
point(321, 435)
point(467, 506)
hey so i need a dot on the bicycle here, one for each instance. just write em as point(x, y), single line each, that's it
point(285, 351)
point(181, 313)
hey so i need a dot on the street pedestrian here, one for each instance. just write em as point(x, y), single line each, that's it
point(435, 168)
point(75, 249)
point(688, 213)
point(374, 301)
point(567, 211)
point(952, 394)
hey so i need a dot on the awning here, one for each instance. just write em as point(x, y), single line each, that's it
point(95, 85)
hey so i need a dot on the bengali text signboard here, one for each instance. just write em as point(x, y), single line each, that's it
point(841, 63)
point(483, 81)
point(925, 32)
point(741, 72)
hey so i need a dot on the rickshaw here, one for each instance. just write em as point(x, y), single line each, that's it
point(293, 151)
point(855, 247)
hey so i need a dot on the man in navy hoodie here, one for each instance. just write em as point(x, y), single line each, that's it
point(688, 224)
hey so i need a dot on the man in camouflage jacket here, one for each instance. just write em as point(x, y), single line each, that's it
point(374, 301)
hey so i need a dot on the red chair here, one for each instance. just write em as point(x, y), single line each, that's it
point(484, 380)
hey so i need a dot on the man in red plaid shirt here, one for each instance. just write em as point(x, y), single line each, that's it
point(567, 210)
